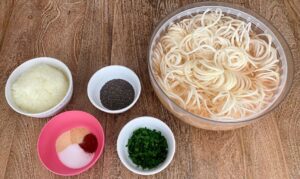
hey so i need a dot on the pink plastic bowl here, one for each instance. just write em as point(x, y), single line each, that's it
point(55, 127)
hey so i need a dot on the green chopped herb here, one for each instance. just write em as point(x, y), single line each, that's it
point(147, 148)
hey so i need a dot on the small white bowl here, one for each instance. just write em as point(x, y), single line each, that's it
point(150, 123)
point(106, 74)
point(26, 66)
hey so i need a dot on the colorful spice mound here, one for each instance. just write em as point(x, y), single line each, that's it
point(76, 147)
point(147, 148)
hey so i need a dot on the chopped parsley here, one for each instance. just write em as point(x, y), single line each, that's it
point(147, 148)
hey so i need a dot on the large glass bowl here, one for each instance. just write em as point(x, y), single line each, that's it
point(259, 24)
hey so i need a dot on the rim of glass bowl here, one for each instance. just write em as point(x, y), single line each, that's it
point(282, 42)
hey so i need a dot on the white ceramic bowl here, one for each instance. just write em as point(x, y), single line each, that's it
point(106, 74)
point(26, 66)
point(150, 123)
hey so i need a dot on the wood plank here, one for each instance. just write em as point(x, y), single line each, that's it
point(6, 8)
point(94, 53)
point(129, 47)
point(7, 124)
point(88, 35)
point(287, 114)
point(263, 151)
point(250, 164)
point(41, 28)
point(198, 151)
point(8, 118)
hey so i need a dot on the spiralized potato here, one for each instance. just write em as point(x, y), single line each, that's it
point(216, 66)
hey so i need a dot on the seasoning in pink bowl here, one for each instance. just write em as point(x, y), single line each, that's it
point(71, 143)
point(76, 147)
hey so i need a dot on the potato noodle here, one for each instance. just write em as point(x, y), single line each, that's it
point(216, 66)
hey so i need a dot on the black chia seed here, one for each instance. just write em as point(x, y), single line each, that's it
point(116, 94)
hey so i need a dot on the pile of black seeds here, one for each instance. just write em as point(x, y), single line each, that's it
point(116, 94)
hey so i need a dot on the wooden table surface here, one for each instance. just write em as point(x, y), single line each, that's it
point(90, 34)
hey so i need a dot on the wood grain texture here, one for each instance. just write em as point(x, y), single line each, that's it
point(90, 34)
